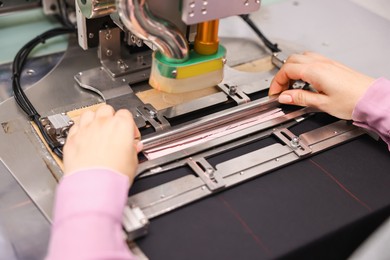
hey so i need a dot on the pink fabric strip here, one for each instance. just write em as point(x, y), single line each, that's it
point(213, 134)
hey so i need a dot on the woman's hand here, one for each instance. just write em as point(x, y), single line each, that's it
point(338, 87)
point(104, 138)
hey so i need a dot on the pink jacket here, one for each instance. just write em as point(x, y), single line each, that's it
point(87, 221)
point(89, 203)
point(373, 109)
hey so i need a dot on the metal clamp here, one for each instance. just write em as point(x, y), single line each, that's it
point(150, 114)
point(235, 93)
point(207, 173)
point(57, 127)
point(299, 147)
point(279, 58)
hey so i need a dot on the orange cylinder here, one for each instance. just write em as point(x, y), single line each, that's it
point(206, 40)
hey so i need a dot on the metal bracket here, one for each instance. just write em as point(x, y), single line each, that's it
point(235, 93)
point(211, 177)
point(135, 223)
point(299, 147)
point(115, 91)
point(176, 193)
point(57, 127)
point(110, 55)
point(279, 58)
point(150, 114)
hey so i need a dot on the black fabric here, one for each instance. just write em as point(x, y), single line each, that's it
point(319, 208)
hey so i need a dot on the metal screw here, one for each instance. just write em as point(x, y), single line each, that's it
point(241, 173)
point(50, 130)
point(133, 38)
point(295, 141)
point(152, 114)
point(109, 52)
point(91, 35)
point(232, 90)
point(139, 43)
point(30, 72)
point(122, 65)
point(210, 172)
point(108, 35)
point(174, 73)
point(44, 121)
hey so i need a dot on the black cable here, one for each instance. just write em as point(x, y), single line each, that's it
point(273, 47)
point(63, 14)
point(19, 94)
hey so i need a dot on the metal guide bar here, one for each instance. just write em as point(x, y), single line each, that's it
point(155, 164)
point(222, 148)
point(210, 121)
point(194, 105)
point(174, 194)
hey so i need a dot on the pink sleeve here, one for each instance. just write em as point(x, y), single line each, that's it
point(373, 109)
point(88, 215)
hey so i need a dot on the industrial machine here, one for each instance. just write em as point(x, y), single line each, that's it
point(202, 121)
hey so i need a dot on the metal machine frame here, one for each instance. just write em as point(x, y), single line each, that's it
point(59, 96)
point(204, 179)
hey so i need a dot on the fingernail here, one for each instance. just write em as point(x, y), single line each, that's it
point(285, 99)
